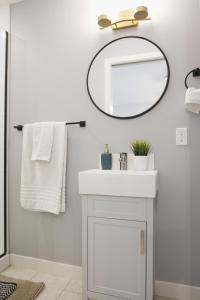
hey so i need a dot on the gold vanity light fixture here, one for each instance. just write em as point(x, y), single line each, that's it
point(126, 18)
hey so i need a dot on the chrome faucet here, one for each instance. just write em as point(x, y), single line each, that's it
point(123, 161)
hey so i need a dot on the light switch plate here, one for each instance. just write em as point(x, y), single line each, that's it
point(181, 137)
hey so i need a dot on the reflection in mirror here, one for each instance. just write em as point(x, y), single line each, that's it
point(3, 109)
point(128, 77)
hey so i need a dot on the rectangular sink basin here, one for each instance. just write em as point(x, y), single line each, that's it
point(118, 183)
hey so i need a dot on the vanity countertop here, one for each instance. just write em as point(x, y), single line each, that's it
point(140, 184)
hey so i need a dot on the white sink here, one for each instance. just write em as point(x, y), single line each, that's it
point(118, 183)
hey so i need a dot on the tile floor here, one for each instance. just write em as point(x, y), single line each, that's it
point(66, 287)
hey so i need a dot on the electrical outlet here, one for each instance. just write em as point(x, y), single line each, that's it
point(181, 136)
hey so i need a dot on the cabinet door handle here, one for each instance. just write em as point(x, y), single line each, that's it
point(142, 242)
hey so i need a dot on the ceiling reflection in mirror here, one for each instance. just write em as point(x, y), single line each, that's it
point(128, 77)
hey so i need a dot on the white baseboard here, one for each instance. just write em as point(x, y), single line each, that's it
point(42, 265)
point(4, 262)
point(176, 291)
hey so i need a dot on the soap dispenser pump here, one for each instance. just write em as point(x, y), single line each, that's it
point(106, 159)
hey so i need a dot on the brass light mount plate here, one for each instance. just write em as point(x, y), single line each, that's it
point(127, 23)
point(126, 18)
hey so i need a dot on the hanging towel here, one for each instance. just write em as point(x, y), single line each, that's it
point(42, 141)
point(43, 183)
point(192, 100)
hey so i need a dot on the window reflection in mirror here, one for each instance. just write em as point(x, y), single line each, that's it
point(128, 77)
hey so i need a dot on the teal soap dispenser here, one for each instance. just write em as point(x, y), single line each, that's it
point(106, 159)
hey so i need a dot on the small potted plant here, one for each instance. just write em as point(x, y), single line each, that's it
point(141, 149)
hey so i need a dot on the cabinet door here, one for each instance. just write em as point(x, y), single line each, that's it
point(117, 258)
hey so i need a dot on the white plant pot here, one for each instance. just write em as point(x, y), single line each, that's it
point(141, 163)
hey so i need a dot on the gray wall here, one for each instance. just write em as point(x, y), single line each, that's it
point(52, 44)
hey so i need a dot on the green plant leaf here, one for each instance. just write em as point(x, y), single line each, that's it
point(140, 147)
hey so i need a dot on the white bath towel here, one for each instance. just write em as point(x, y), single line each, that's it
point(42, 141)
point(43, 183)
point(192, 100)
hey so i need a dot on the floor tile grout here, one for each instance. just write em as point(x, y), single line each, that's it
point(63, 289)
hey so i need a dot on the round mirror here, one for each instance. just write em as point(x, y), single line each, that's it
point(128, 77)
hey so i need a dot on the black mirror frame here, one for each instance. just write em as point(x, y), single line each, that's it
point(146, 111)
point(5, 148)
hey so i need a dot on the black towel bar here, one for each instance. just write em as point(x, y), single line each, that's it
point(80, 123)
